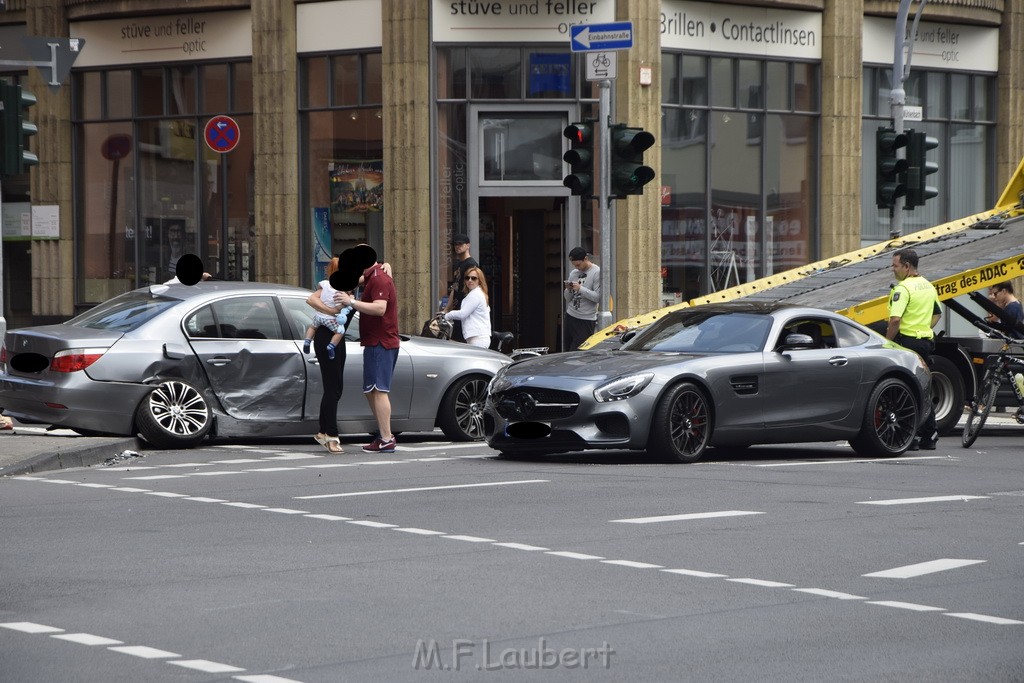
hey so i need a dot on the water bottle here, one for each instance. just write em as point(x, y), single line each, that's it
point(1018, 385)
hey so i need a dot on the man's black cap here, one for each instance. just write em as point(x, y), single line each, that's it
point(460, 238)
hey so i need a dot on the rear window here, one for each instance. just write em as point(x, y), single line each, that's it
point(124, 313)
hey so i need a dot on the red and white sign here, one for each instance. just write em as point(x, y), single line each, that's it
point(221, 133)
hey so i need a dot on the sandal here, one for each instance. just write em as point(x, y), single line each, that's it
point(333, 445)
point(321, 439)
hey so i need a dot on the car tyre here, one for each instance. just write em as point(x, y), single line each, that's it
point(461, 415)
point(890, 420)
point(682, 424)
point(174, 415)
point(948, 394)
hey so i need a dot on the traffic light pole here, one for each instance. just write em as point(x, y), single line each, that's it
point(604, 316)
point(898, 96)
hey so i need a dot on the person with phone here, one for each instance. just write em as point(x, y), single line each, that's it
point(582, 294)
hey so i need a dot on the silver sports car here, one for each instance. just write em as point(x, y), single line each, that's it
point(177, 364)
point(715, 375)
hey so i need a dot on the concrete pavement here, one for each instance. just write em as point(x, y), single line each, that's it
point(31, 448)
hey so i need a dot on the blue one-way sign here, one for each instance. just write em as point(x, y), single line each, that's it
point(601, 37)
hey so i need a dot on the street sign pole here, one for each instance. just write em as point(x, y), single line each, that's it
point(604, 318)
point(898, 96)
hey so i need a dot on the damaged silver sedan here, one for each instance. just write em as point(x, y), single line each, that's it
point(178, 364)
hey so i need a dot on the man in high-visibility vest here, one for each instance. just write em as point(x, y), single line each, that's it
point(913, 312)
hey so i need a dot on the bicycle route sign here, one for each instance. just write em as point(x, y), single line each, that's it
point(600, 66)
point(601, 37)
point(221, 134)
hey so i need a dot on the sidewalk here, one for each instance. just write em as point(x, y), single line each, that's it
point(30, 448)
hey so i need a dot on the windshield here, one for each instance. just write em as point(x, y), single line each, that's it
point(124, 313)
point(705, 332)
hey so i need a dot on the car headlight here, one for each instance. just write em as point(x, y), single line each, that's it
point(498, 382)
point(623, 387)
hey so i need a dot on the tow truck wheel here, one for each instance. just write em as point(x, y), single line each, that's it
point(948, 394)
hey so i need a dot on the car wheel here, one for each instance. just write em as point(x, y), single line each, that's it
point(681, 427)
point(461, 415)
point(174, 415)
point(948, 394)
point(890, 420)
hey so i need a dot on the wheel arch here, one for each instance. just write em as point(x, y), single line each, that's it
point(698, 382)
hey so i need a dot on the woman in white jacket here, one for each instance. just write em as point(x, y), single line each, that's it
point(474, 313)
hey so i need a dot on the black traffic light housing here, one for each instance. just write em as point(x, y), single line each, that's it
point(580, 158)
point(890, 171)
point(15, 157)
point(628, 172)
point(918, 169)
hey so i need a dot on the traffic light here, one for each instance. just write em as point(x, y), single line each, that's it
point(628, 173)
point(918, 169)
point(15, 157)
point(580, 158)
point(890, 173)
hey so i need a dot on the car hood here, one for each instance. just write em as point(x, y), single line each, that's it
point(595, 365)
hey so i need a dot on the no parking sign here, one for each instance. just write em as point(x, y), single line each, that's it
point(221, 133)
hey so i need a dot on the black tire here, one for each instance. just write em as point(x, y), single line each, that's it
point(682, 424)
point(948, 394)
point(890, 420)
point(980, 408)
point(461, 415)
point(174, 415)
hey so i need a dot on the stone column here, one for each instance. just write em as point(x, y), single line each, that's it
point(408, 175)
point(841, 106)
point(638, 218)
point(275, 140)
point(53, 279)
point(1010, 107)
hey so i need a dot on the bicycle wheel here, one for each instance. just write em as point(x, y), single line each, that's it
point(980, 407)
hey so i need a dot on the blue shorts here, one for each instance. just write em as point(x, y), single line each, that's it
point(378, 368)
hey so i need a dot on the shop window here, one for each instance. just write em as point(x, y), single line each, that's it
point(150, 92)
point(496, 73)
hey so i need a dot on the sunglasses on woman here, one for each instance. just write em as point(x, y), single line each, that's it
point(472, 277)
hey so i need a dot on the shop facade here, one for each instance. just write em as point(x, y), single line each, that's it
point(400, 124)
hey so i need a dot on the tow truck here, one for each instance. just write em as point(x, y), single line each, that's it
point(960, 258)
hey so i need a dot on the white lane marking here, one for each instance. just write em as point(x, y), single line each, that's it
point(911, 501)
point(126, 468)
point(422, 488)
point(167, 494)
point(382, 462)
point(274, 469)
point(153, 477)
point(204, 499)
point(236, 461)
point(144, 651)
point(252, 506)
point(30, 627)
point(851, 461)
point(375, 525)
point(206, 666)
point(295, 456)
point(471, 539)
point(830, 594)
point(632, 564)
point(694, 572)
point(573, 556)
point(190, 464)
point(330, 518)
point(762, 582)
point(215, 474)
point(687, 516)
point(287, 511)
point(332, 464)
point(906, 605)
point(97, 486)
point(129, 489)
point(984, 617)
point(421, 532)
point(264, 678)
point(921, 568)
point(87, 639)
point(520, 546)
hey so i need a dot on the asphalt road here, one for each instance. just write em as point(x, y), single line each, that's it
point(271, 563)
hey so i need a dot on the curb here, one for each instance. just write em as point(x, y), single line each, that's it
point(72, 457)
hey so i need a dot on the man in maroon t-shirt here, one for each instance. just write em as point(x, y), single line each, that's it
point(378, 335)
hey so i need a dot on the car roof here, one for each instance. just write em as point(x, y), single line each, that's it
point(217, 288)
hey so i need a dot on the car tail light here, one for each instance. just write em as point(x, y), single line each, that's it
point(73, 360)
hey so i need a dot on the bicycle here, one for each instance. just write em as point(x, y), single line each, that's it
point(997, 370)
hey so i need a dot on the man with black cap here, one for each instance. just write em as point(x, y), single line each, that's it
point(463, 262)
point(582, 294)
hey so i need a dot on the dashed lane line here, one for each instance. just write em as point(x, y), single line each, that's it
point(255, 470)
point(687, 516)
point(915, 501)
point(571, 554)
point(423, 488)
point(911, 571)
point(141, 651)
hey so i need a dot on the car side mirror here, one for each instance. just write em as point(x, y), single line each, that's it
point(795, 340)
point(627, 335)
